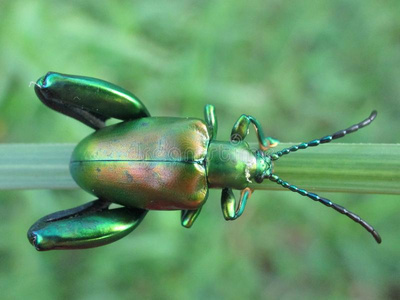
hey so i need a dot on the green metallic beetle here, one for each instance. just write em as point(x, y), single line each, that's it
point(153, 163)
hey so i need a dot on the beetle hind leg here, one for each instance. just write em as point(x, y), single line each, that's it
point(90, 225)
point(88, 100)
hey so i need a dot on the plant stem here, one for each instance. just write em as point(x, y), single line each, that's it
point(349, 168)
point(35, 166)
point(354, 168)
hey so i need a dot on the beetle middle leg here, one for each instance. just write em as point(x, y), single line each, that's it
point(241, 129)
point(189, 216)
point(88, 100)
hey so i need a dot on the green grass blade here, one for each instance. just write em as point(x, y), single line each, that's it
point(354, 168)
point(349, 168)
point(35, 166)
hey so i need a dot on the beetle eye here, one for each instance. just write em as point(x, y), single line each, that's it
point(259, 178)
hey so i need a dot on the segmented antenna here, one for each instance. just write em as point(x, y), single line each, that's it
point(326, 139)
point(329, 203)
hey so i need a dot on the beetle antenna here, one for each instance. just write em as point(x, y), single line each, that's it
point(328, 203)
point(326, 139)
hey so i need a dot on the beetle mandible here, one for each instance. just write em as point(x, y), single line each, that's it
point(154, 163)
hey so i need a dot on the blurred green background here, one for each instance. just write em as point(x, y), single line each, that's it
point(303, 68)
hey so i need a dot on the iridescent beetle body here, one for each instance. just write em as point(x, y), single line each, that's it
point(153, 163)
point(159, 160)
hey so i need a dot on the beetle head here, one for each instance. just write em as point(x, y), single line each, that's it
point(264, 166)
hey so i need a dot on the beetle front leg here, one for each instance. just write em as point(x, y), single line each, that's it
point(230, 209)
point(86, 226)
point(211, 121)
point(89, 100)
point(189, 216)
point(241, 129)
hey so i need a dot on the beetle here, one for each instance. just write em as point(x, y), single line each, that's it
point(154, 163)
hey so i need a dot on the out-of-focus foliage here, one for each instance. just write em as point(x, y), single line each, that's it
point(303, 68)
